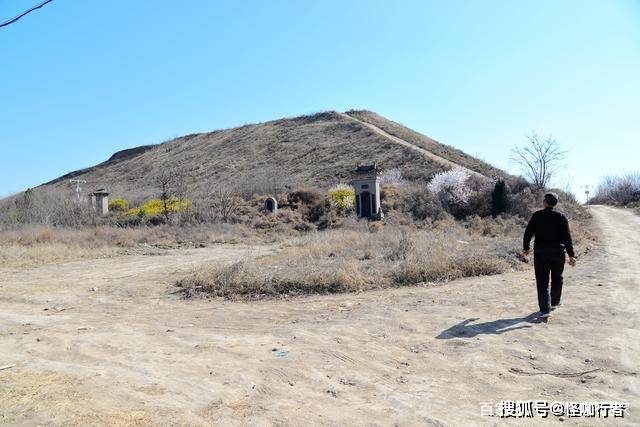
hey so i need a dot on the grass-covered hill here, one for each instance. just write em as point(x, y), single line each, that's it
point(313, 150)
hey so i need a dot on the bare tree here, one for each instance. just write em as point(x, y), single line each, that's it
point(24, 207)
point(539, 159)
point(269, 180)
point(226, 203)
point(165, 180)
point(181, 182)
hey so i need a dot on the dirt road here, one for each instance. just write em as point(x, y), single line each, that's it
point(130, 352)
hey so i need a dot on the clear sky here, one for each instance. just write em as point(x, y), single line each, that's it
point(80, 80)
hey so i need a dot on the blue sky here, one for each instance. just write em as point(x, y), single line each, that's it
point(80, 80)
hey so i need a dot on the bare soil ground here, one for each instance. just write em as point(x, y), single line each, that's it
point(106, 342)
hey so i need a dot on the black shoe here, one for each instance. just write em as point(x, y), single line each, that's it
point(544, 314)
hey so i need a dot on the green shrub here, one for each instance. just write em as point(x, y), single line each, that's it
point(499, 198)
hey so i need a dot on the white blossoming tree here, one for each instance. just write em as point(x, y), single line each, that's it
point(451, 188)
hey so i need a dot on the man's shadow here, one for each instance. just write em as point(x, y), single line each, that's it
point(465, 329)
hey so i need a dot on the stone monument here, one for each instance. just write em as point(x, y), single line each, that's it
point(271, 204)
point(366, 182)
point(99, 200)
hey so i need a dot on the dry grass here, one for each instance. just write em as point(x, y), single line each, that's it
point(445, 151)
point(38, 245)
point(17, 256)
point(363, 257)
point(49, 395)
point(322, 149)
point(33, 245)
point(274, 157)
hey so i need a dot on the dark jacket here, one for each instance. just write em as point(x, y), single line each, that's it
point(551, 231)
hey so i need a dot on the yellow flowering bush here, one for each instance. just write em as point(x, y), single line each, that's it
point(119, 205)
point(342, 196)
point(155, 207)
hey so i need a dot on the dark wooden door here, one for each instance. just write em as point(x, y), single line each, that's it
point(365, 204)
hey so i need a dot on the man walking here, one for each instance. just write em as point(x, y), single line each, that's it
point(552, 239)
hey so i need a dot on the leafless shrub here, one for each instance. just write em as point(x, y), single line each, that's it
point(525, 203)
point(56, 207)
point(421, 203)
point(620, 190)
point(305, 196)
point(479, 201)
point(405, 247)
point(265, 181)
point(392, 177)
point(517, 184)
point(539, 159)
point(171, 182)
point(225, 204)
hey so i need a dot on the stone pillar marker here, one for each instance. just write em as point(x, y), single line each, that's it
point(100, 202)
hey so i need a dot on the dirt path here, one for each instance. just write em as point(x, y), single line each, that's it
point(131, 352)
point(425, 153)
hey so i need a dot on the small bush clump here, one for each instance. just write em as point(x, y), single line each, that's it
point(416, 270)
point(153, 212)
point(156, 207)
point(118, 205)
point(618, 190)
point(245, 278)
point(421, 203)
point(342, 196)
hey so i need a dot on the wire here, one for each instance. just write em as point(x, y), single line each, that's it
point(12, 20)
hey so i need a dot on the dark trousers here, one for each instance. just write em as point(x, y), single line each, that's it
point(548, 264)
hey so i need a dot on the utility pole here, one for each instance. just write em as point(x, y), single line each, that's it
point(77, 182)
point(586, 192)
